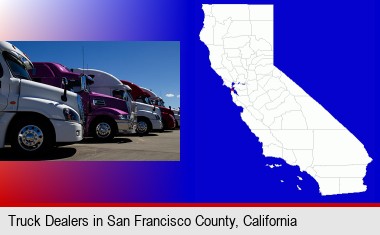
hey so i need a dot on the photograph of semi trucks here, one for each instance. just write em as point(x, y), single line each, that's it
point(48, 107)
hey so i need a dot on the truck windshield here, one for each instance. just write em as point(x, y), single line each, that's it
point(158, 102)
point(161, 103)
point(129, 95)
point(17, 68)
point(147, 100)
point(120, 94)
point(143, 99)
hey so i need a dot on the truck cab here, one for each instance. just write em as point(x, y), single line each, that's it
point(167, 114)
point(171, 117)
point(105, 116)
point(148, 116)
point(144, 106)
point(33, 116)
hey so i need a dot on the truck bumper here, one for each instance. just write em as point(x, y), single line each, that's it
point(156, 124)
point(67, 131)
point(126, 126)
point(5, 119)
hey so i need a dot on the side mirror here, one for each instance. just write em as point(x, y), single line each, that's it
point(64, 84)
point(83, 83)
point(170, 107)
point(154, 108)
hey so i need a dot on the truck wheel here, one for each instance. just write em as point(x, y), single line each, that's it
point(164, 125)
point(143, 126)
point(104, 130)
point(31, 137)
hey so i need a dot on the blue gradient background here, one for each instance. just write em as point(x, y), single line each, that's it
point(327, 47)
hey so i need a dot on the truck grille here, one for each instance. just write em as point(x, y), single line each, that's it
point(99, 102)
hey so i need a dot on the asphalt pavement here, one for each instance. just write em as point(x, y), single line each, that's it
point(163, 146)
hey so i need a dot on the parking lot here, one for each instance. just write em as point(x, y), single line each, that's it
point(156, 146)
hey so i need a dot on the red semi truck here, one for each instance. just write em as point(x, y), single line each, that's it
point(140, 95)
point(159, 102)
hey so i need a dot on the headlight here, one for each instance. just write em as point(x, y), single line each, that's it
point(157, 117)
point(124, 117)
point(70, 115)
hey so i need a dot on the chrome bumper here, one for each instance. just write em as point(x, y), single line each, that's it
point(126, 126)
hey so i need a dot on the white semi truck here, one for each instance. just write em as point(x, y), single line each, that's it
point(34, 116)
point(148, 117)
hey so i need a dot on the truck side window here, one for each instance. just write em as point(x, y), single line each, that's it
point(17, 68)
point(118, 94)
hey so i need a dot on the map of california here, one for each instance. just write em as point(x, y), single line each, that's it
point(288, 122)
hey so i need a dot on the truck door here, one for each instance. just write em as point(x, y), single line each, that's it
point(3, 90)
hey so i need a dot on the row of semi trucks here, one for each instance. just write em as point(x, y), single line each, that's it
point(46, 104)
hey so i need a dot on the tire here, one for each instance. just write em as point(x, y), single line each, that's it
point(103, 129)
point(143, 126)
point(164, 125)
point(31, 136)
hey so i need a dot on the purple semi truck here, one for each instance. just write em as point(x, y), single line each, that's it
point(105, 116)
